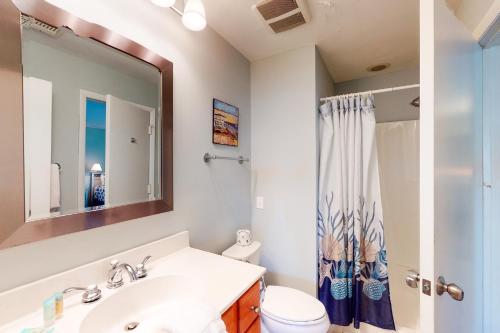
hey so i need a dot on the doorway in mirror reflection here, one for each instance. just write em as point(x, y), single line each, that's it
point(95, 153)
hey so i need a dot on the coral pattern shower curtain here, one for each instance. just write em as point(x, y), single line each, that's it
point(353, 280)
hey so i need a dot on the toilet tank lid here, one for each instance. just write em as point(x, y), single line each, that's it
point(291, 305)
point(240, 252)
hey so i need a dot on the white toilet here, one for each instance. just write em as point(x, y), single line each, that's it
point(284, 310)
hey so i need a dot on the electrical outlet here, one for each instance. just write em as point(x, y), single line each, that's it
point(259, 202)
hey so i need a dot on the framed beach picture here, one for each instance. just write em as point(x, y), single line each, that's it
point(225, 123)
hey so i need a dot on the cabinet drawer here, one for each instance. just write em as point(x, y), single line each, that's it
point(230, 318)
point(255, 328)
point(248, 306)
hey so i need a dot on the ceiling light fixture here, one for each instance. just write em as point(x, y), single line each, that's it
point(193, 17)
point(164, 3)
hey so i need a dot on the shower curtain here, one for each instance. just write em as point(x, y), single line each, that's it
point(353, 280)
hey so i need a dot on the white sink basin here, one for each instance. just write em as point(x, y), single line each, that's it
point(170, 304)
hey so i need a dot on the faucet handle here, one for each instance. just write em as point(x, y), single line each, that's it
point(90, 294)
point(114, 263)
point(115, 278)
point(140, 269)
point(145, 260)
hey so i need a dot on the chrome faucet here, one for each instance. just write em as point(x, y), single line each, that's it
point(115, 278)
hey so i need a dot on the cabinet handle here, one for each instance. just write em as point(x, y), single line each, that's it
point(255, 309)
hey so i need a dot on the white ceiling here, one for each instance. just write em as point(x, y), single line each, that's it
point(351, 36)
point(477, 15)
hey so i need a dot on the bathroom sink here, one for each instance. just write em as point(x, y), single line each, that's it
point(164, 304)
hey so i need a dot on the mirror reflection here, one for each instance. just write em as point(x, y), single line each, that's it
point(91, 124)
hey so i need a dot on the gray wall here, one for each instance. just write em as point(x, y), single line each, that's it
point(285, 90)
point(44, 58)
point(324, 83)
point(391, 106)
point(211, 201)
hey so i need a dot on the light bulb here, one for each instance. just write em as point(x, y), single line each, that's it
point(194, 15)
point(164, 3)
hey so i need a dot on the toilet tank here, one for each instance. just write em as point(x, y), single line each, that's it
point(249, 253)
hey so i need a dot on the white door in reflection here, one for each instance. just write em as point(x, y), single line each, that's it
point(130, 152)
point(40, 188)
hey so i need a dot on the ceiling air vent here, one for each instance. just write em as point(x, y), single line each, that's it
point(283, 15)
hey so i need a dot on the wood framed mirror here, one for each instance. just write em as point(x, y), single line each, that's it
point(135, 141)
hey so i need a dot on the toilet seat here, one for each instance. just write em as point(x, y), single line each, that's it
point(292, 307)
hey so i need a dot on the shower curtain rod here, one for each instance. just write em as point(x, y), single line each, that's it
point(324, 99)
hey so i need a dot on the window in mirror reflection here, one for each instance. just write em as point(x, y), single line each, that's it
point(91, 125)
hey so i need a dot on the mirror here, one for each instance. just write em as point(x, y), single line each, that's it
point(87, 125)
point(91, 124)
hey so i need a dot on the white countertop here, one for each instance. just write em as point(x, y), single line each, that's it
point(223, 279)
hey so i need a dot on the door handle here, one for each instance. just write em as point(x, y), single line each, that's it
point(452, 289)
point(412, 279)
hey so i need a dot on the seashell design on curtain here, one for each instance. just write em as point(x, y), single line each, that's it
point(353, 282)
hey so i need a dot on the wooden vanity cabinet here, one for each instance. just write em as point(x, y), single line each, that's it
point(243, 316)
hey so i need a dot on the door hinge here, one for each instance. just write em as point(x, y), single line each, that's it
point(150, 129)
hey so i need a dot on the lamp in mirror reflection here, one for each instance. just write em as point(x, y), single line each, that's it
point(96, 168)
